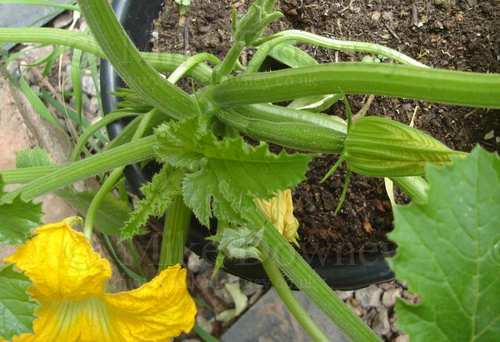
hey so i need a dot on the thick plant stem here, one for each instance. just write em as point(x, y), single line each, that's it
point(286, 295)
point(89, 131)
point(133, 152)
point(307, 280)
point(126, 59)
point(435, 85)
point(174, 234)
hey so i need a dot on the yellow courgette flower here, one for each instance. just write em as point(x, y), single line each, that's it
point(279, 211)
point(69, 280)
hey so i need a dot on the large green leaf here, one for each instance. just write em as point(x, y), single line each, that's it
point(17, 219)
point(225, 174)
point(449, 253)
point(16, 306)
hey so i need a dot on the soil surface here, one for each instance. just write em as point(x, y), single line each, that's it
point(440, 33)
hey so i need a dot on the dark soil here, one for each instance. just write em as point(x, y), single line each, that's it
point(440, 33)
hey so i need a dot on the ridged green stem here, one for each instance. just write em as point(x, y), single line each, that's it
point(89, 131)
point(129, 64)
point(47, 3)
point(162, 62)
point(27, 174)
point(300, 273)
point(133, 152)
point(110, 182)
point(175, 231)
point(293, 305)
point(296, 36)
point(434, 85)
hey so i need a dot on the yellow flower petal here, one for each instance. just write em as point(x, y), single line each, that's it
point(69, 280)
point(279, 211)
point(61, 264)
point(157, 311)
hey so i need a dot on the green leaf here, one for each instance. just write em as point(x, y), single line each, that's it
point(16, 306)
point(449, 253)
point(17, 219)
point(111, 214)
point(32, 157)
point(158, 195)
point(225, 174)
point(239, 243)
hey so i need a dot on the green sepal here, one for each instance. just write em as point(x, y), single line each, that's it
point(377, 146)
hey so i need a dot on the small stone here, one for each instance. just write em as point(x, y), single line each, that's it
point(328, 200)
point(310, 208)
point(63, 20)
point(380, 323)
point(194, 263)
point(204, 323)
point(387, 16)
point(402, 338)
point(88, 85)
point(345, 295)
point(249, 288)
point(410, 297)
point(489, 135)
point(389, 297)
point(376, 16)
point(91, 105)
point(369, 296)
point(204, 29)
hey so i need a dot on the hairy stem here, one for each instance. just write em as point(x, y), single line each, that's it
point(174, 234)
point(435, 85)
point(133, 152)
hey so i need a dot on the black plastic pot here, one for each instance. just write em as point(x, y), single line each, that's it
point(358, 269)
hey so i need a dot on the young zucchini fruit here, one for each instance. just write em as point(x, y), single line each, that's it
point(377, 146)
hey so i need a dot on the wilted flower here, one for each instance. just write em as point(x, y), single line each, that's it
point(279, 211)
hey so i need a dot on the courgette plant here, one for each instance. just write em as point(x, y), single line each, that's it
point(208, 169)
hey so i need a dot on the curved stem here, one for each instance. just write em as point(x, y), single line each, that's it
point(229, 62)
point(300, 273)
point(133, 152)
point(297, 36)
point(435, 85)
point(110, 182)
point(105, 188)
point(162, 62)
point(190, 63)
point(293, 305)
point(128, 62)
point(89, 131)
point(45, 3)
